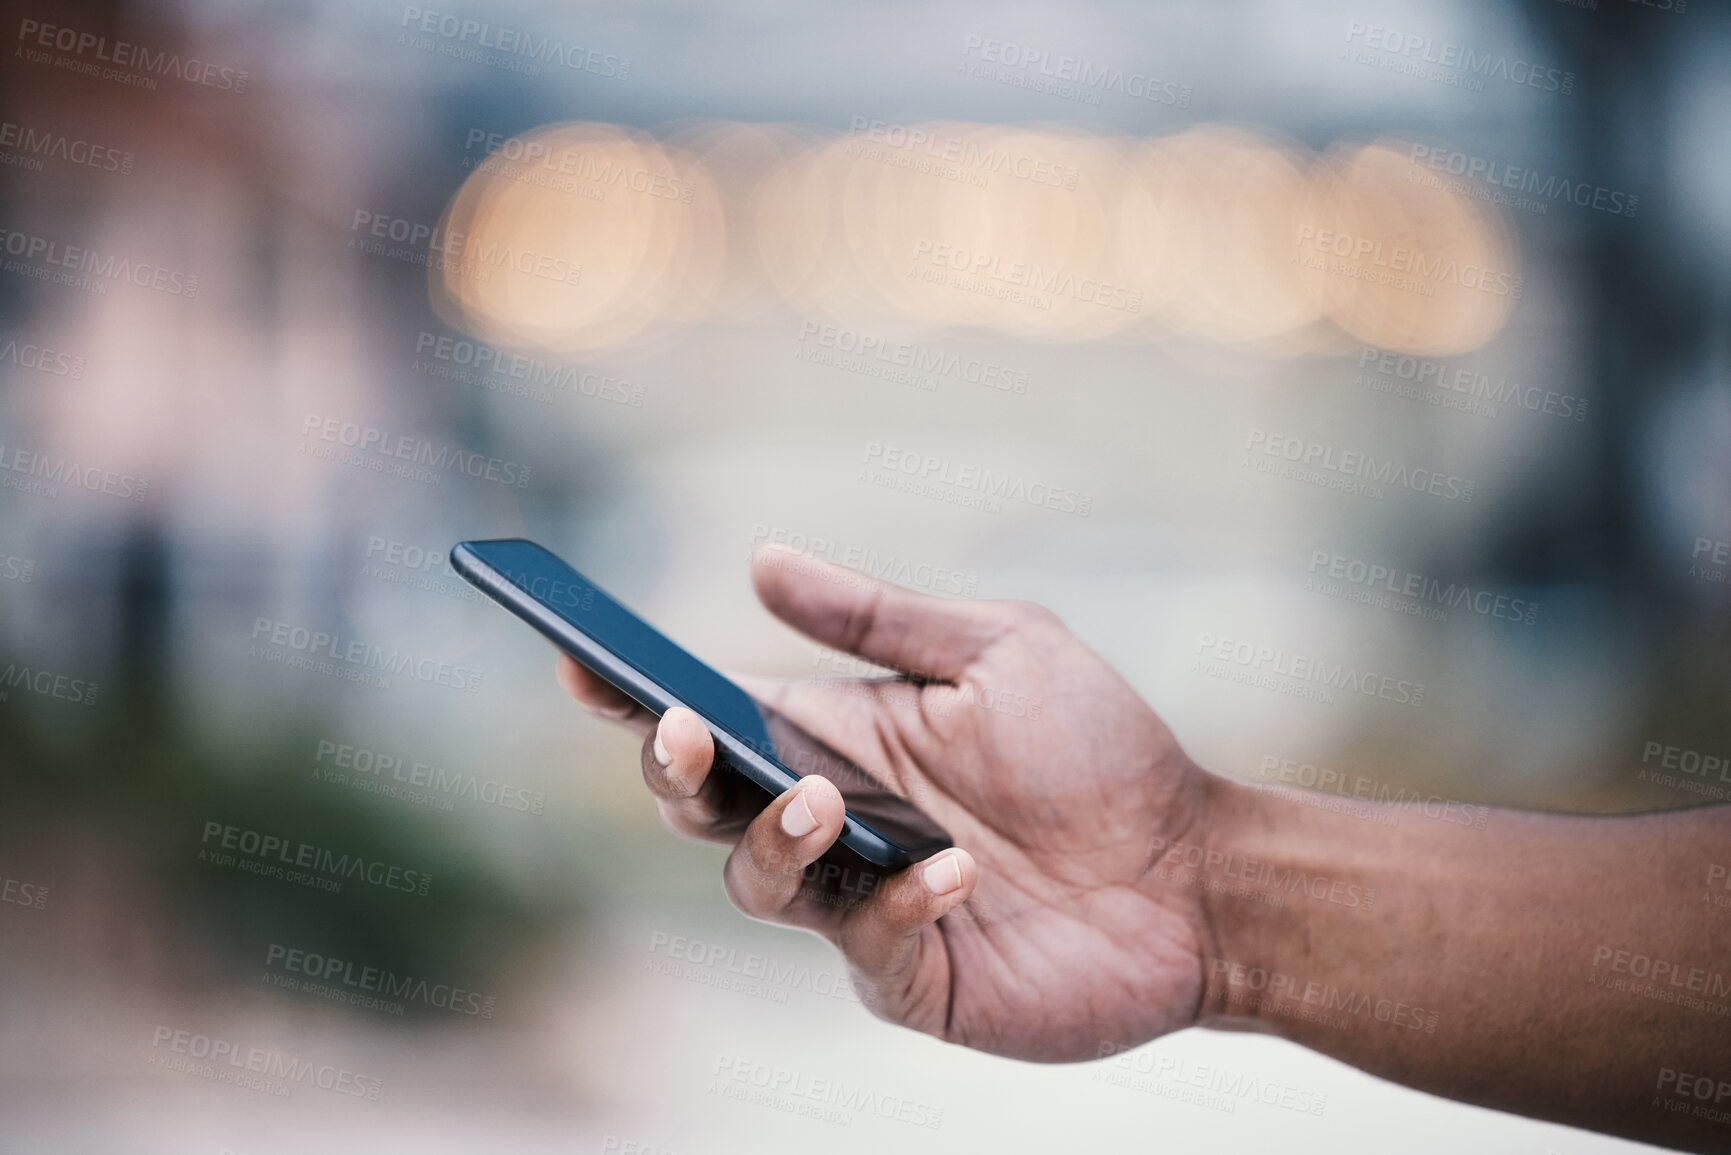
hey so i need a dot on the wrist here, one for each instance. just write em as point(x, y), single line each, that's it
point(1295, 925)
point(1236, 914)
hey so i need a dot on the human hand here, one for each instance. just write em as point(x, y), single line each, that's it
point(1044, 934)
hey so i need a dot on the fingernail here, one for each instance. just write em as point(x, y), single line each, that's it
point(944, 875)
point(661, 754)
point(797, 820)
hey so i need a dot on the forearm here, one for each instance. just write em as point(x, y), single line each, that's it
point(1575, 969)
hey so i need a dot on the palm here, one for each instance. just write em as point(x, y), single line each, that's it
point(1046, 766)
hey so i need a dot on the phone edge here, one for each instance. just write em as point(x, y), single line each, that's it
point(766, 773)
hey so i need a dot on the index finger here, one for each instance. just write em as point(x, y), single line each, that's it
point(599, 696)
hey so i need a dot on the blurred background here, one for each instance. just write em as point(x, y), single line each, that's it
point(1395, 336)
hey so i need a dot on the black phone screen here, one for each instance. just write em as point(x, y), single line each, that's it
point(555, 585)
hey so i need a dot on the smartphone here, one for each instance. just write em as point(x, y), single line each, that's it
point(764, 749)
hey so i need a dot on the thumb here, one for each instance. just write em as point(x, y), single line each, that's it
point(912, 633)
point(895, 949)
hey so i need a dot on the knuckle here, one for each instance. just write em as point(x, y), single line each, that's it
point(770, 857)
point(746, 889)
point(674, 818)
point(1030, 616)
point(655, 777)
point(663, 782)
point(863, 942)
point(740, 895)
point(686, 818)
